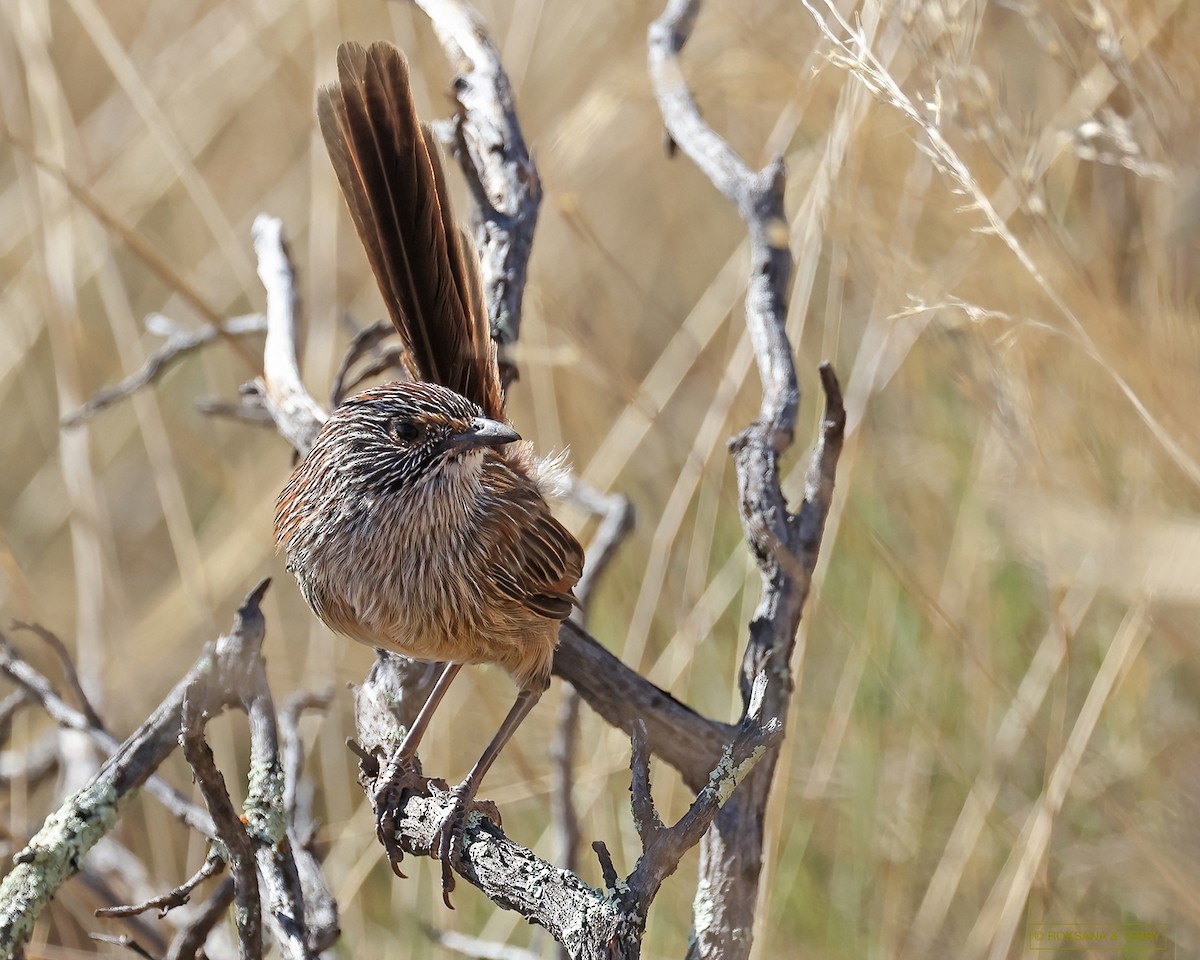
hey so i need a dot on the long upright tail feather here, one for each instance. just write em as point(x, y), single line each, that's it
point(390, 172)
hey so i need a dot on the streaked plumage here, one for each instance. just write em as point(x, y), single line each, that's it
point(439, 554)
point(415, 522)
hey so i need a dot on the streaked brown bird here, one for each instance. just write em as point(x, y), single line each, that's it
point(417, 522)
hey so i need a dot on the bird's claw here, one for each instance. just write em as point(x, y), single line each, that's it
point(448, 839)
point(401, 779)
point(447, 842)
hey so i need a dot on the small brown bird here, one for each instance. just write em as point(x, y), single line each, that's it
point(417, 522)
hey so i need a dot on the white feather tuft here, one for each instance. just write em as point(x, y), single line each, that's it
point(552, 474)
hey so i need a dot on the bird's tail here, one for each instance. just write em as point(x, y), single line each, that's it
point(391, 175)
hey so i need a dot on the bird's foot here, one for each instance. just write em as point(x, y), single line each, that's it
point(447, 842)
point(398, 780)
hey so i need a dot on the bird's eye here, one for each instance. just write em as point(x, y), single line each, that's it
point(404, 431)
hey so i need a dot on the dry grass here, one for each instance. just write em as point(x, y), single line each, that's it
point(995, 220)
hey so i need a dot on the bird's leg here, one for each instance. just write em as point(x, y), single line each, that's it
point(450, 832)
point(412, 739)
point(400, 774)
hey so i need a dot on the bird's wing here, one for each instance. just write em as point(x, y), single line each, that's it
point(535, 559)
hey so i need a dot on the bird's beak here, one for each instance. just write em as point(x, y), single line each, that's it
point(481, 432)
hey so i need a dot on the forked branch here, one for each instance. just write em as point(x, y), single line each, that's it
point(784, 543)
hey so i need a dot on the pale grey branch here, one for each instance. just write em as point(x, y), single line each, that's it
point(783, 543)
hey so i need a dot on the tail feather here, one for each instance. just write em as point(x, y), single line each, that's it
point(391, 175)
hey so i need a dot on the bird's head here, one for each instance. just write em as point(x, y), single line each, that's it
point(402, 436)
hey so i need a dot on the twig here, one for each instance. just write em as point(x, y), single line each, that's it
point(111, 861)
point(645, 817)
point(363, 343)
point(617, 520)
point(190, 940)
point(8, 709)
point(68, 668)
point(389, 358)
point(250, 409)
point(38, 689)
point(608, 869)
point(290, 750)
point(496, 163)
point(179, 344)
point(213, 864)
point(57, 849)
point(126, 941)
point(320, 908)
point(230, 829)
point(272, 834)
point(662, 846)
point(296, 414)
point(784, 544)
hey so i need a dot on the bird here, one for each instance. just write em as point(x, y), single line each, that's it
point(419, 522)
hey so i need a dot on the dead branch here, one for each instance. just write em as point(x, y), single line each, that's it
point(213, 864)
point(68, 666)
point(783, 543)
point(233, 834)
point(180, 344)
point(39, 690)
point(297, 416)
point(365, 343)
point(230, 672)
point(491, 149)
point(190, 940)
point(56, 851)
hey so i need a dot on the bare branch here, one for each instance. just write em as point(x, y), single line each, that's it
point(296, 414)
point(783, 544)
point(364, 343)
point(190, 940)
point(58, 848)
point(8, 709)
point(591, 925)
point(299, 810)
point(497, 165)
point(180, 343)
point(645, 817)
point(617, 520)
point(38, 689)
point(608, 869)
point(213, 864)
point(662, 846)
point(232, 832)
point(689, 742)
point(68, 668)
point(285, 894)
point(251, 409)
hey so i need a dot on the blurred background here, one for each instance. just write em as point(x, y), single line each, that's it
point(996, 720)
